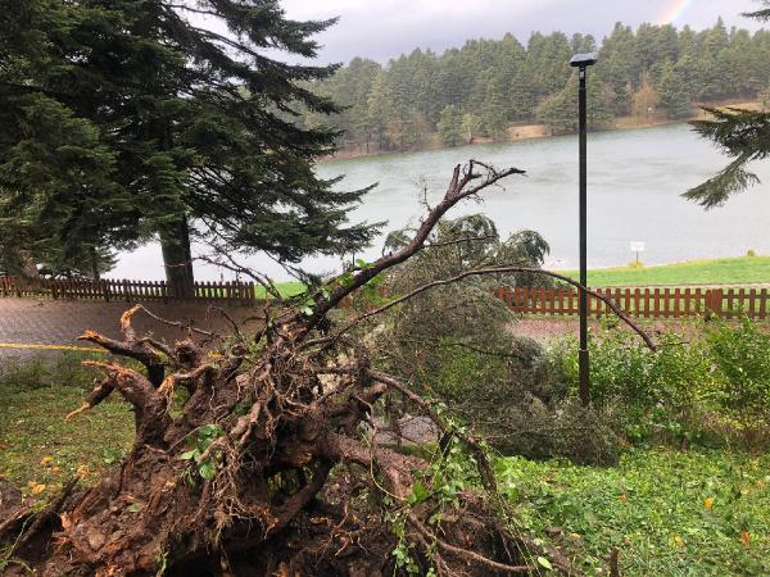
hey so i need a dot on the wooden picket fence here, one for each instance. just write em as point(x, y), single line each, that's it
point(236, 292)
point(657, 303)
point(646, 303)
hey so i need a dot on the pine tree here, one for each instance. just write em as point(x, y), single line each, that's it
point(450, 126)
point(196, 125)
point(380, 110)
point(560, 111)
point(744, 135)
point(618, 65)
point(522, 94)
point(493, 113)
point(673, 93)
point(57, 178)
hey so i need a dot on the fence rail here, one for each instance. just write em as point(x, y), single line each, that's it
point(658, 303)
point(242, 293)
point(642, 303)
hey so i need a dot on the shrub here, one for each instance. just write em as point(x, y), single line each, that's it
point(741, 356)
point(708, 391)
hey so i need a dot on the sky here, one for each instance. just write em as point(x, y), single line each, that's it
point(383, 29)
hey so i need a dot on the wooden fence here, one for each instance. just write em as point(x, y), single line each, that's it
point(642, 303)
point(659, 303)
point(240, 293)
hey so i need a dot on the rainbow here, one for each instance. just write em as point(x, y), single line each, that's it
point(673, 11)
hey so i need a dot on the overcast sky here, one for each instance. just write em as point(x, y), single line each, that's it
point(382, 29)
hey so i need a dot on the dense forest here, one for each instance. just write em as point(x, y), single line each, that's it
point(483, 88)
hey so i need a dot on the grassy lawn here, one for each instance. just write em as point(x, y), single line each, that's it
point(719, 271)
point(287, 289)
point(39, 452)
point(740, 270)
point(670, 513)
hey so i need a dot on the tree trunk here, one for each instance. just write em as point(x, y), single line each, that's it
point(21, 264)
point(177, 258)
point(95, 274)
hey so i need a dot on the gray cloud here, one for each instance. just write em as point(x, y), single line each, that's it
point(382, 29)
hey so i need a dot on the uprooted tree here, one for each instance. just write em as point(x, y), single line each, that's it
point(261, 461)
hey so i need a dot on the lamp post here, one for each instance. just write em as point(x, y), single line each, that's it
point(582, 62)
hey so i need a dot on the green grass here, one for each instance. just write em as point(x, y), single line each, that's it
point(39, 452)
point(740, 270)
point(287, 289)
point(720, 271)
point(654, 508)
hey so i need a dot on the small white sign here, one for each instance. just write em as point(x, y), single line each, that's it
point(637, 246)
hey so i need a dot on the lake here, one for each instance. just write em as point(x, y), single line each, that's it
point(636, 178)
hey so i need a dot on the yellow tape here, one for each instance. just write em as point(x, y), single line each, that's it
point(50, 347)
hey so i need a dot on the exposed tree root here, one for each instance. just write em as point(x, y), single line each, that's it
point(268, 470)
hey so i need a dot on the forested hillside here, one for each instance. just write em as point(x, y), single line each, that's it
point(482, 88)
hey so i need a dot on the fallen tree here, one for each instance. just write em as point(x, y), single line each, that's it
point(260, 461)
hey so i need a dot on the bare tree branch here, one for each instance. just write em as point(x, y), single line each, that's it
point(459, 189)
point(503, 270)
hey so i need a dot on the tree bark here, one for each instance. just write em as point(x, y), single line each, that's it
point(21, 263)
point(177, 258)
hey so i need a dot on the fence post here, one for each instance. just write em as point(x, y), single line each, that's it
point(717, 298)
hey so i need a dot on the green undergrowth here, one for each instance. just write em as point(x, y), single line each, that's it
point(670, 513)
point(39, 451)
point(691, 513)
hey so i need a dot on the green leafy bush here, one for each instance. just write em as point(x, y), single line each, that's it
point(742, 358)
point(707, 390)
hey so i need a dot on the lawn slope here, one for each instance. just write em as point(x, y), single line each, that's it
point(720, 271)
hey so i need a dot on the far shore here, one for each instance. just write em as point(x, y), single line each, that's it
point(519, 132)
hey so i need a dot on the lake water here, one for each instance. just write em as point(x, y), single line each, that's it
point(635, 182)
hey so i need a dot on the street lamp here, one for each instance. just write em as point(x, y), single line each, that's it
point(582, 62)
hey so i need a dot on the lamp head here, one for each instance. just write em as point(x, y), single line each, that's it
point(583, 60)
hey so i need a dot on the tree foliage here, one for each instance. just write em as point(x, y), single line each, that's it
point(450, 126)
point(137, 120)
point(505, 81)
point(743, 135)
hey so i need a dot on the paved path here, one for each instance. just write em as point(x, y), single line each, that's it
point(25, 321)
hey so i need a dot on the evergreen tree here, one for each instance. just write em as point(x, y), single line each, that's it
point(493, 113)
point(196, 123)
point(618, 65)
point(744, 135)
point(673, 93)
point(560, 111)
point(502, 81)
point(522, 94)
point(380, 109)
point(450, 126)
point(57, 176)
